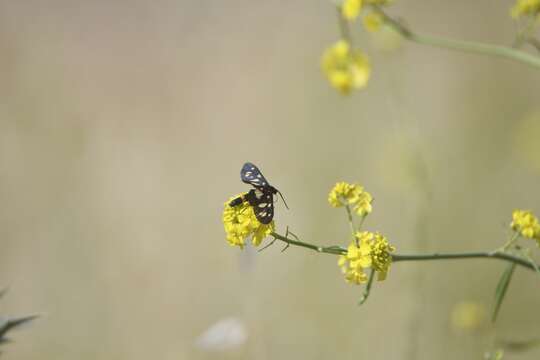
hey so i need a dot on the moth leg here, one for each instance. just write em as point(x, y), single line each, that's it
point(282, 198)
point(293, 235)
point(267, 245)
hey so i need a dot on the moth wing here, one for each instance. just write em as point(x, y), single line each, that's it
point(250, 174)
point(262, 204)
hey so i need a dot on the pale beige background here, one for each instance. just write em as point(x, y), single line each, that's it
point(123, 126)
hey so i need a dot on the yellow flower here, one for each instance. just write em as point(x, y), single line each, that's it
point(345, 68)
point(341, 194)
point(525, 7)
point(363, 205)
point(372, 21)
point(524, 222)
point(351, 194)
point(468, 315)
point(368, 250)
point(381, 255)
point(240, 223)
point(351, 9)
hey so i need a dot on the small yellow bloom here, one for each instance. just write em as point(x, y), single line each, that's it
point(524, 222)
point(351, 9)
point(240, 223)
point(525, 7)
point(342, 194)
point(468, 315)
point(363, 205)
point(353, 195)
point(359, 256)
point(368, 250)
point(381, 255)
point(345, 68)
point(373, 22)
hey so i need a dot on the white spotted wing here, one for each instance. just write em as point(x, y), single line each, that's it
point(263, 205)
point(250, 174)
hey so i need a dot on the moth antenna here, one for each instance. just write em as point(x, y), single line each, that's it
point(279, 192)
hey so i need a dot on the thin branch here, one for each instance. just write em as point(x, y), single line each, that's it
point(344, 28)
point(461, 45)
point(335, 250)
point(351, 222)
point(449, 256)
point(338, 250)
point(367, 290)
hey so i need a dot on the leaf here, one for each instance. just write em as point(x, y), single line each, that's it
point(500, 291)
point(519, 345)
point(8, 324)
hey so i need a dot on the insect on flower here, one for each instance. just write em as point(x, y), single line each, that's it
point(261, 198)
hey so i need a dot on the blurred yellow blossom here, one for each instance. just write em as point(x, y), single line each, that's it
point(350, 9)
point(524, 222)
point(240, 223)
point(373, 21)
point(468, 315)
point(345, 68)
point(354, 195)
point(367, 250)
point(525, 7)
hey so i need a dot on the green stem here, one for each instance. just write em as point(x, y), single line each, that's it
point(361, 222)
point(365, 295)
point(351, 222)
point(449, 256)
point(335, 250)
point(510, 241)
point(338, 250)
point(344, 27)
point(461, 45)
point(525, 254)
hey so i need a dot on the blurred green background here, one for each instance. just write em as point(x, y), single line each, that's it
point(124, 125)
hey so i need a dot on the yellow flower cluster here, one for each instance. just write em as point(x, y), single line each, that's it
point(350, 9)
point(345, 68)
point(240, 223)
point(353, 195)
point(524, 222)
point(367, 250)
point(372, 22)
point(525, 8)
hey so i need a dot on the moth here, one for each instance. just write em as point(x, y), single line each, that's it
point(261, 198)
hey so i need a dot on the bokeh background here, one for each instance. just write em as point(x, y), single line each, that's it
point(123, 127)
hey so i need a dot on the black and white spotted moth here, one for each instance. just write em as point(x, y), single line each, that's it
point(261, 198)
